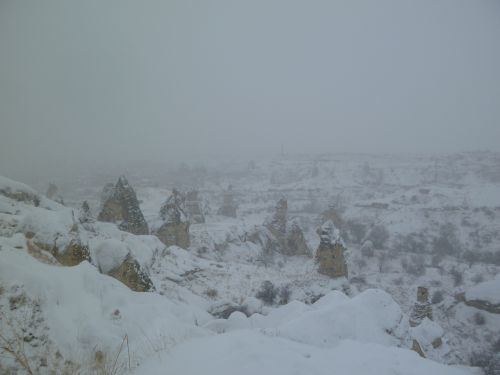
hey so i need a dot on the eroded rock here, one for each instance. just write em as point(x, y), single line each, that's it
point(121, 206)
point(331, 252)
point(173, 227)
point(422, 307)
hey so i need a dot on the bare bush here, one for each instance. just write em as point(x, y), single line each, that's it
point(479, 319)
point(411, 243)
point(447, 242)
point(489, 362)
point(378, 236)
point(267, 292)
point(367, 249)
point(357, 231)
point(211, 293)
point(456, 276)
point(414, 266)
point(284, 294)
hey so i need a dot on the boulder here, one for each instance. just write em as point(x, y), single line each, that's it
point(331, 252)
point(120, 205)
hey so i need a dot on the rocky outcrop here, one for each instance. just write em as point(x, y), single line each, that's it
point(280, 234)
point(21, 195)
point(193, 207)
point(120, 205)
point(75, 253)
point(331, 252)
point(173, 224)
point(131, 274)
point(229, 206)
point(422, 307)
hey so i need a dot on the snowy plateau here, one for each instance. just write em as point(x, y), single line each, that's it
point(421, 236)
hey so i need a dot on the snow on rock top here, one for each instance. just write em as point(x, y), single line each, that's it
point(247, 352)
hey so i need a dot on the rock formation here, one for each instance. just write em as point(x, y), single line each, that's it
point(173, 227)
point(277, 225)
point(295, 243)
point(422, 307)
point(331, 252)
point(193, 207)
point(280, 234)
point(120, 205)
point(228, 207)
point(131, 274)
point(73, 254)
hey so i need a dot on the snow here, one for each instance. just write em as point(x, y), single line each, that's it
point(245, 352)
point(487, 291)
point(86, 310)
point(368, 317)
point(353, 326)
point(426, 332)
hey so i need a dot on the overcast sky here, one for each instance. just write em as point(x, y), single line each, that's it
point(165, 80)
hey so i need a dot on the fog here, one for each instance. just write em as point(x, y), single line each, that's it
point(93, 81)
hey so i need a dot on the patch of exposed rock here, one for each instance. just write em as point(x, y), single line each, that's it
point(120, 205)
point(24, 196)
point(331, 252)
point(131, 274)
point(173, 223)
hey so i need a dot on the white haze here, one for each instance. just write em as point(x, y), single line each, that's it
point(108, 81)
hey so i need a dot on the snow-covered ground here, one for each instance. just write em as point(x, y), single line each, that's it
point(431, 221)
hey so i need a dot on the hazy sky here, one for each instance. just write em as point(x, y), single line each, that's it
point(163, 80)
